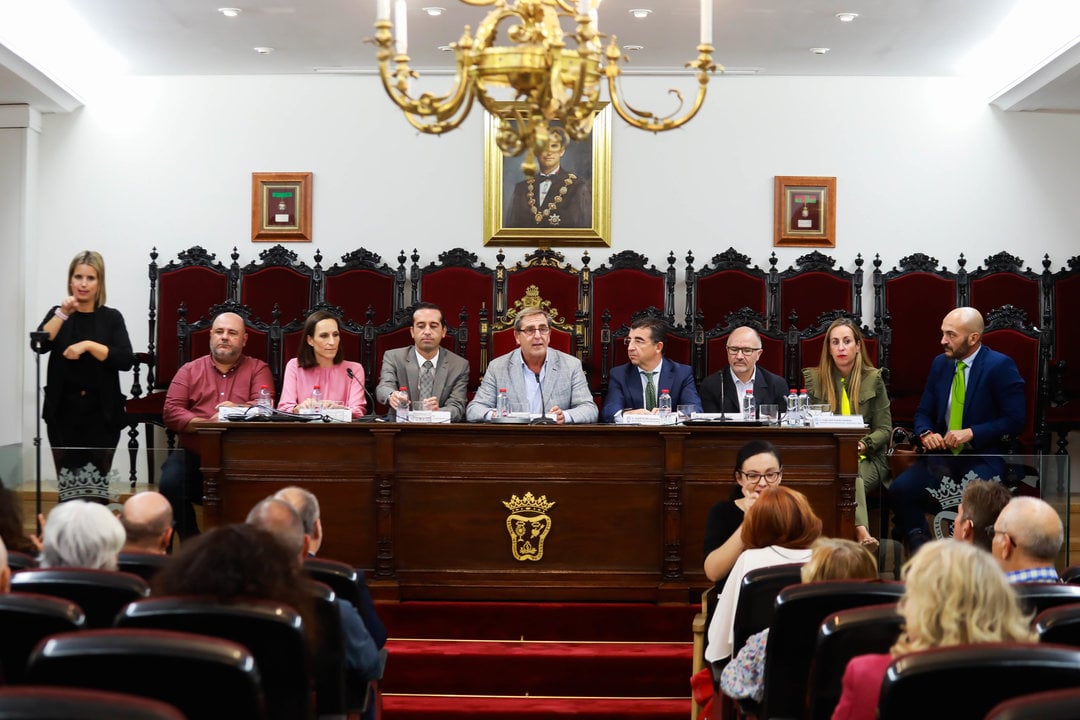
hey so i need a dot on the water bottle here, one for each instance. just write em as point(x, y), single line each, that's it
point(502, 404)
point(403, 408)
point(793, 417)
point(265, 401)
point(316, 398)
point(748, 408)
point(804, 403)
point(664, 403)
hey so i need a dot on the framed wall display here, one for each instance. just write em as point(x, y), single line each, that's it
point(281, 207)
point(805, 214)
point(572, 208)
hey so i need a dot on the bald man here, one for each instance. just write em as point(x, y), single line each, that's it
point(1028, 536)
point(958, 443)
point(723, 390)
point(225, 377)
point(147, 519)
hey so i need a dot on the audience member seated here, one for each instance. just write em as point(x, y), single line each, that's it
point(1028, 535)
point(779, 529)
point(830, 559)
point(542, 379)
point(11, 523)
point(955, 594)
point(981, 503)
point(973, 396)
point(635, 387)
point(320, 363)
point(279, 519)
point(147, 519)
point(723, 390)
point(306, 506)
point(81, 534)
point(847, 381)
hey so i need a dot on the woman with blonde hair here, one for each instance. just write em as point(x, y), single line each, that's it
point(779, 529)
point(88, 348)
point(847, 381)
point(955, 594)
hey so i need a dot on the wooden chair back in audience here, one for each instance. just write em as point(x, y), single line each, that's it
point(969, 680)
point(1059, 625)
point(100, 593)
point(25, 620)
point(54, 703)
point(757, 599)
point(145, 565)
point(202, 676)
point(1037, 597)
point(1049, 705)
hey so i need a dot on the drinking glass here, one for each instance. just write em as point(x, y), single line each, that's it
point(770, 414)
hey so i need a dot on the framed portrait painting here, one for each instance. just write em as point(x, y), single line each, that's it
point(281, 207)
point(805, 212)
point(566, 203)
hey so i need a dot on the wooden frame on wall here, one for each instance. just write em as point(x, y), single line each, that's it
point(281, 207)
point(590, 165)
point(805, 211)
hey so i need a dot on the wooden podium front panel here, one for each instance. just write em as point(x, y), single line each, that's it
point(422, 506)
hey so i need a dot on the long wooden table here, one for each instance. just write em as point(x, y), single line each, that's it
point(454, 511)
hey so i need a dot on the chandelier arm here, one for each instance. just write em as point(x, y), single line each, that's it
point(649, 121)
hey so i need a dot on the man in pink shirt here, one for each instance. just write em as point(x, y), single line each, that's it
point(224, 378)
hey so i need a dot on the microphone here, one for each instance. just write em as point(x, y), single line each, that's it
point(364, 418)
point(543, 419)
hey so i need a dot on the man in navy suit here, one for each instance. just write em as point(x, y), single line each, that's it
point(992, 405)
point(636, 387)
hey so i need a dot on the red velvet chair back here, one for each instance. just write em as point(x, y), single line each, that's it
point(812, 287)
point(278, 281)
point(1003, 281)
point(541, 278)
point(365, 288)
point(1064, 409)
point(1008, 332)
point(729, 284)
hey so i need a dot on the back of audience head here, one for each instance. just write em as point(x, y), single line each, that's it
point(838, 559)
point(279, 519)
point(306, 505)
point(1034, 533)
point(82, 534)
point(11, 522)
point(147, 519)
point(956, 594)
point(230, 562)
point(782, 517)
point(982, 502)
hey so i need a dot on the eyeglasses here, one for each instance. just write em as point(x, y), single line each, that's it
point(742, 350)
point(534, 329)
point(1006, 534)
point(770, 478)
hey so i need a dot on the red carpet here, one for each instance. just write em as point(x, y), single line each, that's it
point(532, 660)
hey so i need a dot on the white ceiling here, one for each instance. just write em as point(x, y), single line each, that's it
point(890, 38)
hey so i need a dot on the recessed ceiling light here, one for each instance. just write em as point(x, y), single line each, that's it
point(641, 13)
point(263, 50)
point(446, 48)
point(846, 17)
point(434, 11)
point(230, 12)
point(819, 51)
point(628, 48)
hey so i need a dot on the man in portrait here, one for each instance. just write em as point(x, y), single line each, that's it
point(554, 197)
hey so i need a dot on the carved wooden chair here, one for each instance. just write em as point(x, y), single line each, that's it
point(279, 287)
point(1063, 408)
point(813, 287)
point(362, 282)
point(727, 285)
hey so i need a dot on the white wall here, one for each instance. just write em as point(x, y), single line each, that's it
point(922, 166)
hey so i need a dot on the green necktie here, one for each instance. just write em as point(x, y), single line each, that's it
point(650, 391)
point(956, 410)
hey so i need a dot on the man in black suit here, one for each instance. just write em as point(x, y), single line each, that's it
point(554, 198)
point(723, 390)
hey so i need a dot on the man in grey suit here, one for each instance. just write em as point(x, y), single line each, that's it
point(535, 376)
point(430, 372)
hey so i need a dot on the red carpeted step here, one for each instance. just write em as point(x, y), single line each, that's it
point(640, 622)
point(538, 668)
point(533, 708)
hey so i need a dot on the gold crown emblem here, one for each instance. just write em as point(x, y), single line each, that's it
point(528, 503)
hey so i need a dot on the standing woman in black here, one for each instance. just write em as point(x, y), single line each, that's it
point(84, 408)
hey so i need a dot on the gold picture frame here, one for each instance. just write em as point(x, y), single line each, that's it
point(281, 207)
point(805, 212)
point(587, 162)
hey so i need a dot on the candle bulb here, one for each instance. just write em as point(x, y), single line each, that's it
point(382, 9)
point(401, 25)
point(583, 7)
point(706, 22)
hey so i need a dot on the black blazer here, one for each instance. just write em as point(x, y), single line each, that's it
point(718, 392)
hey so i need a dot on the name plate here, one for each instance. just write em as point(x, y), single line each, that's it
point(650, 419)
point(837, 421)
point(438, 417)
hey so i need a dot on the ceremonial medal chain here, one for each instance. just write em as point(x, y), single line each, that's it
point(551, 206)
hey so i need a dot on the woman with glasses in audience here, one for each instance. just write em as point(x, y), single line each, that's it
point(779, 529)
point(954, 594)
point(849, 384)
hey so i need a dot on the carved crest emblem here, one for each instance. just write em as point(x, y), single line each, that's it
point(528, 524)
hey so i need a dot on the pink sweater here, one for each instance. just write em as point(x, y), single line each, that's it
point(334, 383)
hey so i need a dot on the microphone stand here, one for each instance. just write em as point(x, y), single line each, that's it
point(373, 417)
point(38, 338)
point(543, 419)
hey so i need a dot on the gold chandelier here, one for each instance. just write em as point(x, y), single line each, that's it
point(549, 80)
